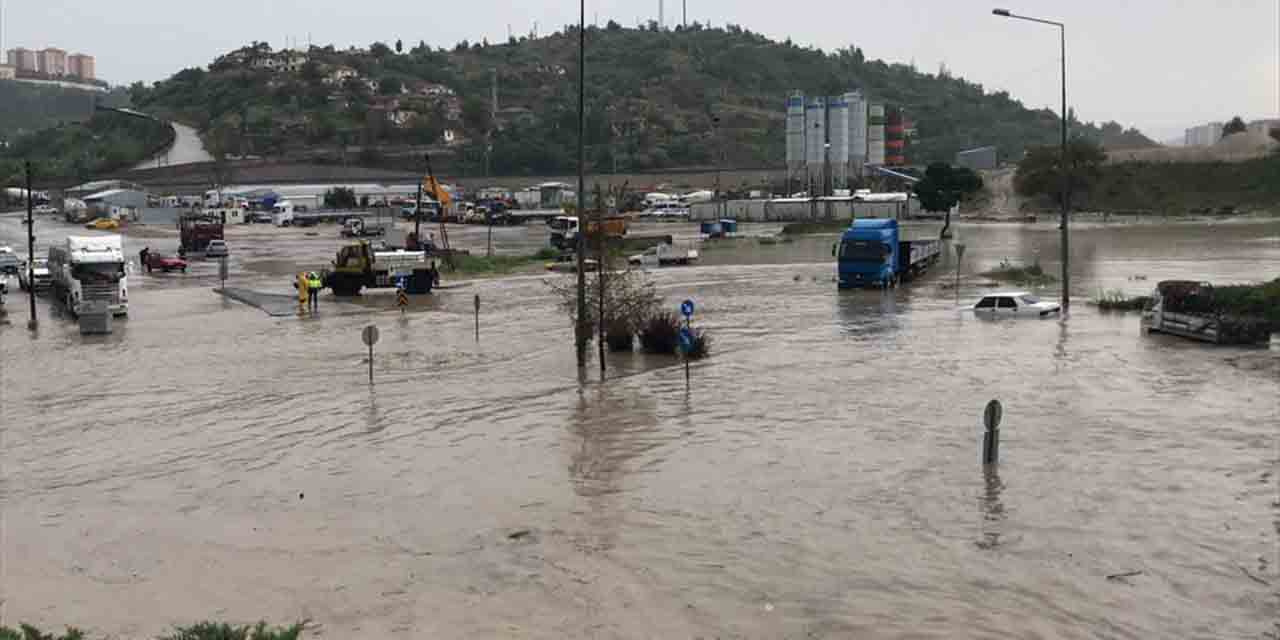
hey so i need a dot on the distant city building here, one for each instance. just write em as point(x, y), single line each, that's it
point(81, 66)
point(7, 72)
point(52, 62)
point(1204, 135)
point(22, 59)
point(980, 158)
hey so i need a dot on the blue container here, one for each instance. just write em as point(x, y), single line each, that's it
point(712, 229)
point(728, 226)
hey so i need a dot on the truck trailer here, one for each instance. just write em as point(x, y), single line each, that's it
point(871, 253)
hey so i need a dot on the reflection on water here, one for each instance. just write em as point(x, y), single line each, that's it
point(865, 313)
point(991, 508)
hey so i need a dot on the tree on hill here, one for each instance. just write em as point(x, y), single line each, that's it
point(1040, 172)
point(390, 86)
point(399, 46)
point(379, 50)
point(1235, 125)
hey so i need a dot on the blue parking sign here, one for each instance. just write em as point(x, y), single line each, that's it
point(686, 308)
point(686, 339)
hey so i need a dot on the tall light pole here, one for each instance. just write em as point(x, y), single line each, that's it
point(1066, 176)
point(581, 328)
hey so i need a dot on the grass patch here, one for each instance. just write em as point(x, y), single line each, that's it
point(1028, 275)
point(822, 226)
point(497, 265)
point(1117, 301)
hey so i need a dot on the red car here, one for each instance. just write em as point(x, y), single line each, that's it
point(165, 263)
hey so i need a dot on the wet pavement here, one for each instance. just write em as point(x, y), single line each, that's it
point(820, 477)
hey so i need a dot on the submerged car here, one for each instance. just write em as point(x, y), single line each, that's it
point(39, 276)
point(165, 263)
point(216, 249)
point(1015, 303)
point(9, 261)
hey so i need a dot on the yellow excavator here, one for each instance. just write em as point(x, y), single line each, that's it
point(432, 188)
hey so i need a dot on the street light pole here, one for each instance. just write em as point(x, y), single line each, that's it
point(1064, 168)
point(581, 328)
point(31, 252)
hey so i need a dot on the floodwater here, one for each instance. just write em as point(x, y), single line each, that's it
point(819, 476)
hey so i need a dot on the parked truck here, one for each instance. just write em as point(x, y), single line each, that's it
point(565, 230)
point(361, 228)
point(1198, 311)
point(89, 272)
point(359, 266)
point(871, 253)
point(196, 230)
point(664, 255)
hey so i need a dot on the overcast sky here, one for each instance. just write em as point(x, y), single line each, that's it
point(1160, 65)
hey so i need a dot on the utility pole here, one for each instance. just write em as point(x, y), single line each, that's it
point(582, 329)
point(31, 252)
point(417, 218)
point(684, 13)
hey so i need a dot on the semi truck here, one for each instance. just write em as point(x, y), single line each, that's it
point(565, 230)
point(196, 230)
point(89, 272)
point(361, 228)
point(359, 266)
point(871, 253)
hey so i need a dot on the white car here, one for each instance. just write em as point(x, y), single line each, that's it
point(1014, 303)
point(40, 270)
point(44, 209)
point(216, 249)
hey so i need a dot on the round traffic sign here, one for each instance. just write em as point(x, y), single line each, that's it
point(686, 339)
point(686, 308)
point(992, 414)
point(369, 335)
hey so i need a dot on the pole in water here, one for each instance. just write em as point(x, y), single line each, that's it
point(477, 317)
point(991, 438)
point(370, 336)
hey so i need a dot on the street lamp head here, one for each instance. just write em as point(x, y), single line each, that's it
point(1000, 12)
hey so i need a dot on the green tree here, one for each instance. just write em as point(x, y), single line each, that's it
point(475, 115)
point(1040, 172)
point(340, 198)
point(379, 50)
point(390, 86)
point(399, 46)
point(944, 186)
point(1235, 125)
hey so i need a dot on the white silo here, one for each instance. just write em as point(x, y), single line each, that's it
point(795, 137)
point(838, 134)
point(875, 135)
point(857, 131)
point(815, 139)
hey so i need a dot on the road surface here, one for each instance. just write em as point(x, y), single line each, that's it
point(187, 149)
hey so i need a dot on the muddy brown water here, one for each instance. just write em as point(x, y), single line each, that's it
point(820, 478)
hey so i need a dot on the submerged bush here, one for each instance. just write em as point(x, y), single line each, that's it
point(200, 631)
point(701, 345)
point(1118, 301)
point(619, 335)
point(660, 334)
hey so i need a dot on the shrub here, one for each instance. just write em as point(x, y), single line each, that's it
point(619, 335)
point(701, 345)
point(223, 631)
point(660, 333)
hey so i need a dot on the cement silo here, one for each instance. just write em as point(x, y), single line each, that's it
point(838, 135)
point(895, 137)
point(857, 132)
point(795, 138)
point(815, 139)
point(875, 135)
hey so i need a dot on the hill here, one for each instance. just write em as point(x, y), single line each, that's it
point(27, 107)
point(652, 96)
point(79, 151)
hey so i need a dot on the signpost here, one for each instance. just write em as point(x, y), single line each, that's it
point(402, 297)
point(686, 337)
point(959, 257)
point(370, 337)
point(222, 271)
point(991, 439)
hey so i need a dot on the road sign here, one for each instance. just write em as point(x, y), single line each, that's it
point(686, 308)
point(991, 416)
point(369, 335)
point(402, 299)
point(686, 339)
point(222, 269)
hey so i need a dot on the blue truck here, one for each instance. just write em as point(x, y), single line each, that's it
point(871, 253)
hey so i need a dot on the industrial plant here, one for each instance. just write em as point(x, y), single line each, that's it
point(832, 142)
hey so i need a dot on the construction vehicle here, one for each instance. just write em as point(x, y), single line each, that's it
point(432, 188)
point(359, 266)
